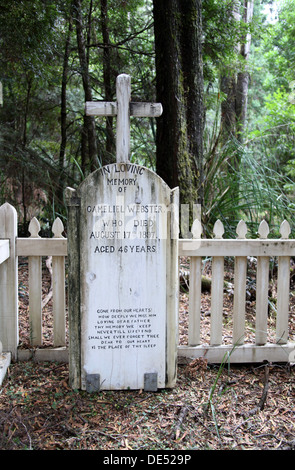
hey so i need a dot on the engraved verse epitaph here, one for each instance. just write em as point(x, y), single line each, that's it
point(123, 280)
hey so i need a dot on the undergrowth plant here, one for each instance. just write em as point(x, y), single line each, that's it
point(210, 403)
point(238, 185)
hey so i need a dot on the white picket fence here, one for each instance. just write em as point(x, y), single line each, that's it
point(241, 249)
point(34, 248)
point(196, 248)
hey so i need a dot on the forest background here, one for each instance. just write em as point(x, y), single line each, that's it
point(224, 72)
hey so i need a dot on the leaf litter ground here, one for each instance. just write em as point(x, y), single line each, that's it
point(249, 407)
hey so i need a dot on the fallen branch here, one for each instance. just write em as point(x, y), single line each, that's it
point(184, 280)
point(182, 414)
point(262, 400)
point(265, 389)
point(205, 282)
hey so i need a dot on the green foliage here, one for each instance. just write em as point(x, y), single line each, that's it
point(222, 32)
point(271, 126)
point(256, 180)
point(33, 39)
point(275, 130)
point(254, 192)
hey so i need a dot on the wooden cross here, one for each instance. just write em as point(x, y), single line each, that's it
point(123, 108)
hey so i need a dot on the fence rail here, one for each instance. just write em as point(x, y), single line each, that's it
point(263, 248)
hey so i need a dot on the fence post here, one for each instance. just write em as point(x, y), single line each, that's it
point(9, 283)
point(73, 204)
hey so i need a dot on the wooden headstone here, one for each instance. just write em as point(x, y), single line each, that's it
point(123, 276)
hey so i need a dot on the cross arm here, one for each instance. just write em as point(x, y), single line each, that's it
point(100, 108)
point(145, 109)
point(109, 108)
point(123, 109)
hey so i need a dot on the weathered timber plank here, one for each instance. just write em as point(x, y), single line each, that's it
point(195, 301)
point(46, 354)
point(172, 294)
point(41, 247)
point(123, 87)
point(58, 247)
point(35, 299)
point(283, 289)
point(109, 108)
point(101, 108)
point(73, 203)
point(145, 109)
point(4, 250)
point(59, 301)
point(240, 279)
point(247, 353)
point(262, 282)
point(236, 247)
point(217, 300)
point(5, 360)
point(9, 282)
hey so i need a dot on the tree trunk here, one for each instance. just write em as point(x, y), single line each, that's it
point(110, 137)
point(228, 86)
point(235, 85)
point(243, 76)
point(24, 145)
point(89, 122)
point(63, 114)
point(179, 72)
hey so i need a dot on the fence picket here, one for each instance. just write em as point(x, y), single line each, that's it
point(217, 291)
point(195, 291)
point(58, 275)
point(35, 289)
point(283, 289)
point(262, 283)
point(240, 278)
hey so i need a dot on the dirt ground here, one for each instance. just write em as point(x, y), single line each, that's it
point(249, 407)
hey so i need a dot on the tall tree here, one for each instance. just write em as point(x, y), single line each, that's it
point(26, 35)
point(63, 111)
point(243, 76)
point(179, 72)
point(107, 75)
point(234, 80)
point(228, 86)
point(89, 145)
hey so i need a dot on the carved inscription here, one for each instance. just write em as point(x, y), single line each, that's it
point(123, 239)
point(122, 220)
point(131, 328)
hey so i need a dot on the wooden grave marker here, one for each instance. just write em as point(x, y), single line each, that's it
point(123, 268)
